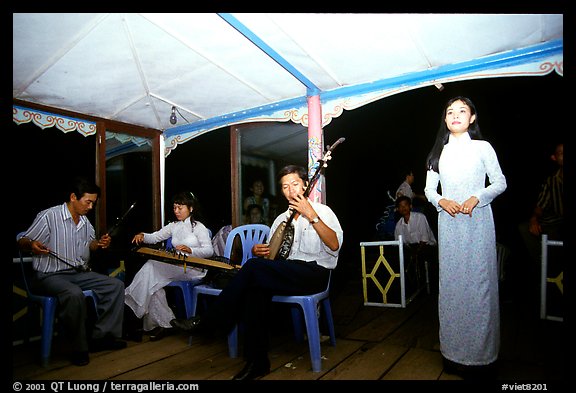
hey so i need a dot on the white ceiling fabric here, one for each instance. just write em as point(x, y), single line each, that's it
point(133, 68)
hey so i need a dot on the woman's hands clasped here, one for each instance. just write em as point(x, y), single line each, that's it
point(452, 207)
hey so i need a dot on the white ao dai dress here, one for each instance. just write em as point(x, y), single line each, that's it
point(146, 295)
point(468, 302)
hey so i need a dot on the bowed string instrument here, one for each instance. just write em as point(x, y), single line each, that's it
point(81, 266)
point(283, 237)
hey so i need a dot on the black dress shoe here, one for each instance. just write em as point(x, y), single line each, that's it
point(79, 358)
point(253, 369)
point(192, 325)
point(159, 333)
point(107, 344)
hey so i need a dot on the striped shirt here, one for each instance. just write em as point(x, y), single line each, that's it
point(551, 200)
point(55, 228)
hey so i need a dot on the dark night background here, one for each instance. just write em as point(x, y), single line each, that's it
point(521, 116)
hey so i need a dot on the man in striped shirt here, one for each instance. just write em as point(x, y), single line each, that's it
point(61, 240)
point(548, 214)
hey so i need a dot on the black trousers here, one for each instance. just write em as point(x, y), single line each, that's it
point(248, 298)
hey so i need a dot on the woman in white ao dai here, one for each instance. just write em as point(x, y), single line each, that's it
point(468, 303)
point(146, 295)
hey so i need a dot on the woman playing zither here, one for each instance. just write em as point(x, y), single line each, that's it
point(191, 239)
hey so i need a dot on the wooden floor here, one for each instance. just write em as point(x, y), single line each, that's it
point(373, 343)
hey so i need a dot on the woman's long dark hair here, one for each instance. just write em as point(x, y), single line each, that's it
point(444, 132)
point(187, 198)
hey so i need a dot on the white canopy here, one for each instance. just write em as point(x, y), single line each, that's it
point(223, 69)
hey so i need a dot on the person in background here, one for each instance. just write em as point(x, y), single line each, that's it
point(146, 295)
point(257, 198)
point(255, 213)
point(248, 296)
point(460, 162)
point(417, 236)
point(548, 213)
point(405, 189)
point(62, 240)
point(219, 240)
point(413, 226)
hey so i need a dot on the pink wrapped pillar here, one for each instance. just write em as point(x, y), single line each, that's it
point(315, 145)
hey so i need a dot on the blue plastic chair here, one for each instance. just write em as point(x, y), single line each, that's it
point(186, 289)
point(309, 306)
point(249, 235)
point(48, 305)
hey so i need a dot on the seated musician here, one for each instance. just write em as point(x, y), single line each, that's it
point(416, 233)
point(146, 295)
point(62, 240)
point(413, 226)
point(247, 297)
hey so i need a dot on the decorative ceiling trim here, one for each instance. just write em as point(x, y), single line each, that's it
point(21, 115)
point(127, 144)
point(335, 108)
point(66, 124)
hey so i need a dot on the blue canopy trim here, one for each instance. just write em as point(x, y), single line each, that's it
point(536, 60)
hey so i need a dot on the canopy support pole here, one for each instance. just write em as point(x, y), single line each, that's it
point(315, 145)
